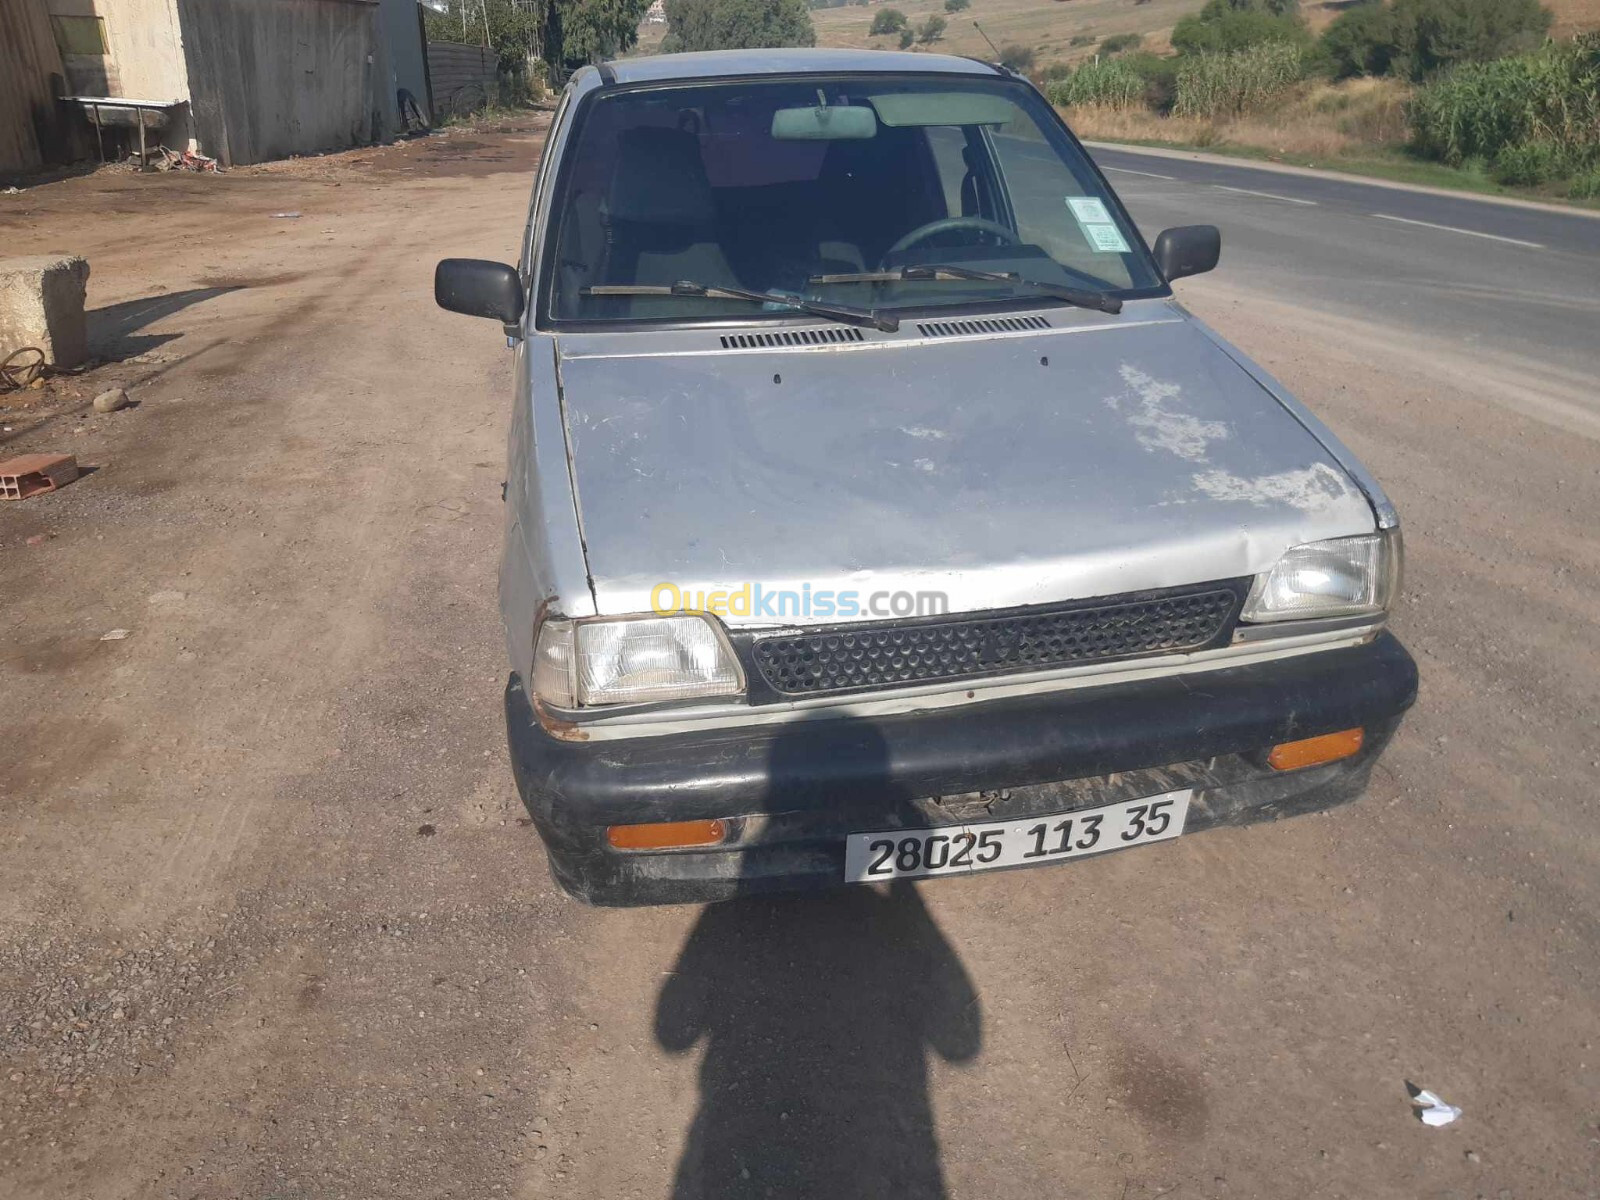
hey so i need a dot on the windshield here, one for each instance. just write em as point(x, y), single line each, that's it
point(767, 186)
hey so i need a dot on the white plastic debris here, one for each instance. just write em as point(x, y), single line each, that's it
point(286, 216)
point(116, 635)
point(1434, 1111)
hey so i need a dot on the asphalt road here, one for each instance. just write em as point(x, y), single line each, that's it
point(272, 925)
point(1510, 284)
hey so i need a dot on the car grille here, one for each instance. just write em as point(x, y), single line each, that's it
point(902, 653)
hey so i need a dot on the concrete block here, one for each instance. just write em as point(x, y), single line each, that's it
point(41, 304)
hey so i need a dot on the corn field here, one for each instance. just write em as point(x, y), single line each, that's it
point(1533, 117)
point(1110, 83)
point(1230, 85)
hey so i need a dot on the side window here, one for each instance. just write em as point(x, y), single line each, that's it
point(541, 184)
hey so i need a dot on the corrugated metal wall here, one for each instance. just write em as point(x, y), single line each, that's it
point(463, 77)
point(271, 78)
point(34, 129)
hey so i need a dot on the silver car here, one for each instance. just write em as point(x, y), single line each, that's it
point(874, 511)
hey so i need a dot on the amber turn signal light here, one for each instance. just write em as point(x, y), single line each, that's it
point(1313, 752)
point(666, 835)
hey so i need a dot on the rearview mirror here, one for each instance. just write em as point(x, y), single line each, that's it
point(1188, 250)
point(838, 122)
point(479, 288)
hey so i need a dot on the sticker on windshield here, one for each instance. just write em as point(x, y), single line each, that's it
point(1089, 210)
point(1098, 228)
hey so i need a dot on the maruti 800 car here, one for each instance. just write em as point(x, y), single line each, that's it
point(874, 510)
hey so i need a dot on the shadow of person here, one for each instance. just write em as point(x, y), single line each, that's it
point(817, 1011)
point(817, 1015)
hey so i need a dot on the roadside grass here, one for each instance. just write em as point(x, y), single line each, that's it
point(1396, 165)
point(1358, 126)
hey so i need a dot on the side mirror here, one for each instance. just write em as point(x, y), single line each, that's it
point(1188, 250)
point(479, 288)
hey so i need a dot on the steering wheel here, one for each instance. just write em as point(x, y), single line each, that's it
point(945, 224)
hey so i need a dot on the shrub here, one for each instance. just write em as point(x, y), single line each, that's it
point(1082, 39)
point(955, 6)
point(1117, 43)
point(1110, 83)
point(1361, 40)
point(906, 38)
point(1017, 57)
point(1160, 75)
point(887, 20)
point(1419, 38)
point(932, 29)
point(1228, 85)
point(1586, 184)
point(737, 24)
point(1529, 164)
point(1222, 26)
point(1055, 71)
point(1497, 111)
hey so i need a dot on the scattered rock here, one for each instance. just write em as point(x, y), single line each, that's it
point(115, 635)
point(426, 831)
point(107, 402)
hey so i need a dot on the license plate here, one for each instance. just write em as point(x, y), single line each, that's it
point(958, 849)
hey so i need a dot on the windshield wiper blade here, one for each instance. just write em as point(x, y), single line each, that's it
point(1082, 297)
point(837, 312)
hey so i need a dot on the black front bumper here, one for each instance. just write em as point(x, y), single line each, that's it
point(791, 794)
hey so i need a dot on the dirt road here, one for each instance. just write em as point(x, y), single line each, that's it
point(271, 924)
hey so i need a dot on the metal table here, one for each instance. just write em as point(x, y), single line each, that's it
point(147, 114)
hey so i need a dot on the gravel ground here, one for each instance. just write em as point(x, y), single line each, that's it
point(272, 923)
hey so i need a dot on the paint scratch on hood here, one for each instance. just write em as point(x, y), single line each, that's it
point(1310, 489)
point(1157, 425)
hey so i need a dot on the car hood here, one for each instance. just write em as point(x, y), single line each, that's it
point(1113, 456)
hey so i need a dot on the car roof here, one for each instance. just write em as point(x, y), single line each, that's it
point(712, 64)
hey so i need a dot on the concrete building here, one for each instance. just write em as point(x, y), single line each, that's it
point(244, 80)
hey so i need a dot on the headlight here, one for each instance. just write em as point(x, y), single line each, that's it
point(633, 660)
point(1341, 577)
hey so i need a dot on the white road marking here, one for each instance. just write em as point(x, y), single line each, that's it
point(1146, 174)
point(1267, 195)
point(1493, 237)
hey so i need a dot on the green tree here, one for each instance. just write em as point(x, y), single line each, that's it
point(1361, 40)
point(1419, 38)
point(1434, 34)
point(737, 24)
point(888, 20)
point(932, 29)
point(516, 34)
point(595, 30)
point(1226, 25)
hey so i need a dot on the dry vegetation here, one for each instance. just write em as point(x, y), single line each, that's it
point(1327, 121)
point(1048, 26)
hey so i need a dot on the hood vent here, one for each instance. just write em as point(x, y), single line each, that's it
point(828, 335)
point(937, 329)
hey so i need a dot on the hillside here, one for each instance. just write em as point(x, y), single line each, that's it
point(1048, 27)
point(1045, 26)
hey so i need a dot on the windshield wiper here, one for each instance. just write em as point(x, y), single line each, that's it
point(1082, 297)
point(837, 312)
